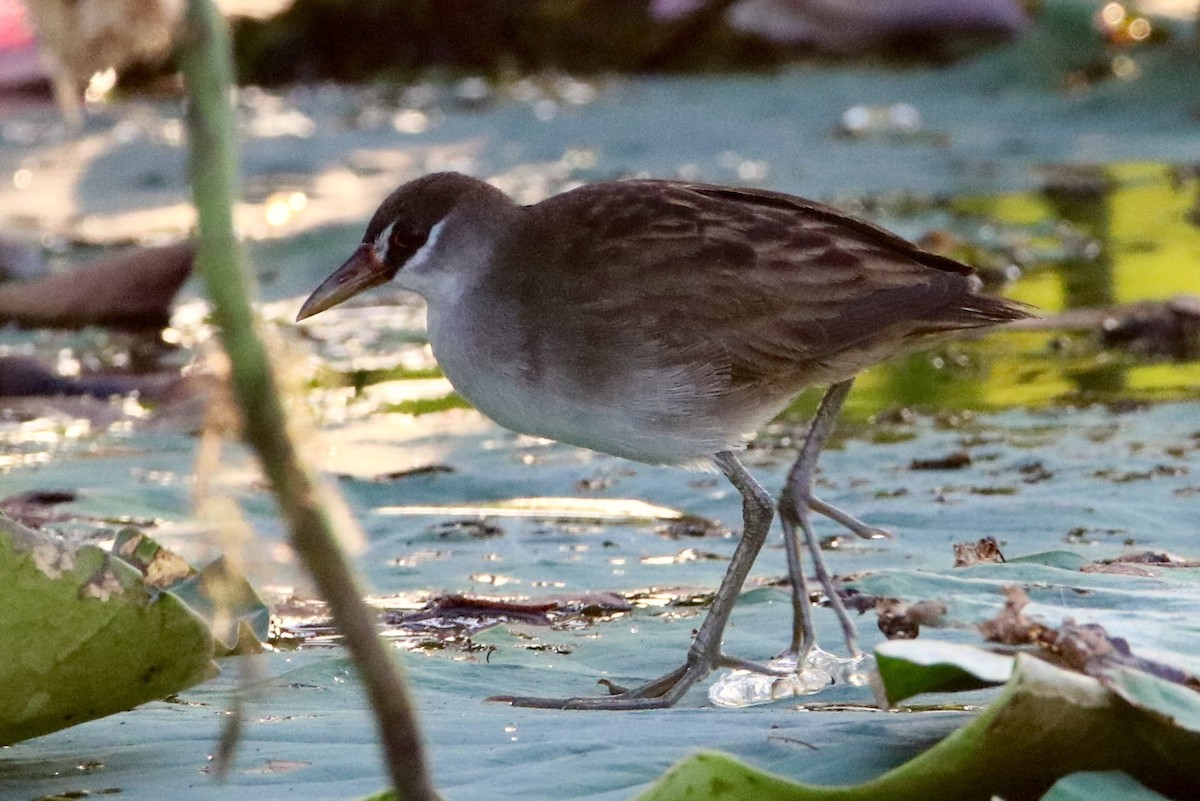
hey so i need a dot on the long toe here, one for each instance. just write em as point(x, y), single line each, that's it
point(660, 693)
point(847, 520)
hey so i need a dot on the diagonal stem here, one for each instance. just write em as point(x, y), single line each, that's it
point(204, 55)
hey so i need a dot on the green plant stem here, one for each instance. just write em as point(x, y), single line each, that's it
point(207, 68)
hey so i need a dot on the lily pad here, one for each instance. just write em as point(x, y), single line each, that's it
point(912, 667)
point(1046, 724)
point(82, 636)
point(1176, 705)
point(1109, 785)
point(237, 617)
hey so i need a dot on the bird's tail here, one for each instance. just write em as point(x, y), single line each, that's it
point(975, 311)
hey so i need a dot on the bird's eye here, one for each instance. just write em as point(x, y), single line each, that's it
point(404, 242)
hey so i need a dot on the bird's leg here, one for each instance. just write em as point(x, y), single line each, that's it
point(705, 652)
point(795, 503)
point(804, 470)
point(803, 635)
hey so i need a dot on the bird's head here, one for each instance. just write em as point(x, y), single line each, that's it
point(398, 240)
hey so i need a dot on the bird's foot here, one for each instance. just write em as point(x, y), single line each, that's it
point(785, 679)
point(658, 693)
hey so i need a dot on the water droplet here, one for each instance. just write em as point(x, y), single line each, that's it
point(740, 688)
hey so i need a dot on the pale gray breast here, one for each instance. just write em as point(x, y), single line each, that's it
point(540, 369)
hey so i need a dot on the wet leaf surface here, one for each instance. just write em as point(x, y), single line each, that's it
point(1046, 723)
point(84, 637)
point(1100, 786)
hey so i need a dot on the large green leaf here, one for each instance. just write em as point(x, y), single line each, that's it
point(1047, 723)
point(1109, 785)
point(81, 636)
point(912, 667)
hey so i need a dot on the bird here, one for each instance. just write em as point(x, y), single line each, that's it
point(666, 322)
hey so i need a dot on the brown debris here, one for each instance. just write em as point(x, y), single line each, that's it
point(952, 461)
point(1089, 649)
point(423, 470)
point(676, 597)
point(1126, 476)
point(1034, 472)
point(1156, 327)
point(466, 529)
point(854, 600)
point(1081, 647)
point(693, 526)
point(985, 551)
point(450, 620)
point(445, 608)
point(1010, 626)
point(1117, 568)
point(36, 508)
point(1085, 648)
point(1139, 563)
point(1085, 536)
point(902, 621)
point(24, 377)
point(131, 291)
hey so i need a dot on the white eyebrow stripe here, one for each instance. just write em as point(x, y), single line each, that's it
point(422, 254)
point(381, 241)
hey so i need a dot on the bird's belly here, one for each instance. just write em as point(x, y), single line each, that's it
point(647, 414)
point(631, 426)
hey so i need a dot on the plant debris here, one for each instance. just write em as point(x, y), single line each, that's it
point(951, 461)
point(985, 551)
point(1085, 648)
point(902, 621)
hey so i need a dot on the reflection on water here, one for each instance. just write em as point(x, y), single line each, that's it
point(1100, 238)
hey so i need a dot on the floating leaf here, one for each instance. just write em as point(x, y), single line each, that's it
point(912, 667)
point(1174, 703)
point(237, 617)
point(1046, 724)
point(82, 636)
point(1109, 785)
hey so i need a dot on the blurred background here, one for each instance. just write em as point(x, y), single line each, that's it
point(1053, 144)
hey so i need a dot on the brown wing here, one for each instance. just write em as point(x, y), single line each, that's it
point(771, 288)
